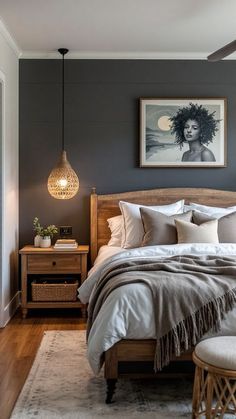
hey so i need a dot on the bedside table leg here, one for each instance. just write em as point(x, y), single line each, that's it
point(24, 279)
point(24, 313)
point(84, 311)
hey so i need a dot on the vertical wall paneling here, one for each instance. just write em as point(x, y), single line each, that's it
point(102, 130)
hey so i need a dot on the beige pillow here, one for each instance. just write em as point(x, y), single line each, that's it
point(192, 233)
point(160, 228)
point(226, 225)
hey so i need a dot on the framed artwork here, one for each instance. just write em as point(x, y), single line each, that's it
point(182, 132)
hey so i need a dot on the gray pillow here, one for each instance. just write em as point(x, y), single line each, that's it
point(160, 228)
point(226, 225)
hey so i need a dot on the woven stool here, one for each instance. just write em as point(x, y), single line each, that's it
point(214, 390)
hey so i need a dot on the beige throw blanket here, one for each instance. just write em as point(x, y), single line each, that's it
point(191, 295)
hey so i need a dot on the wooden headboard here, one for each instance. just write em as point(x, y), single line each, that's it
point(103, 207)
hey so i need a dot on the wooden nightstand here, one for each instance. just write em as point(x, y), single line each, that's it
point(39, 261)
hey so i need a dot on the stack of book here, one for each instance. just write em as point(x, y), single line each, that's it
point(66, 244)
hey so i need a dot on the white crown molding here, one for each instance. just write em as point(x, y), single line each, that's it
point(101, 55)
point(9, 38)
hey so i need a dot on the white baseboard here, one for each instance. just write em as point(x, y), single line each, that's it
point(10, 310)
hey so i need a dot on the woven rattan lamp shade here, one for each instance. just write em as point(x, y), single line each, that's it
point(63, 183)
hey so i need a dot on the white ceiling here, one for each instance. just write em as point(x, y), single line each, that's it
point(120, 28)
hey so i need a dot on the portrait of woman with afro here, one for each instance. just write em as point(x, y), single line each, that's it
point(195, 125)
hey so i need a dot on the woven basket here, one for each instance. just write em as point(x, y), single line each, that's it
point(48, 291)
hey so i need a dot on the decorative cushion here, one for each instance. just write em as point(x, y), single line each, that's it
point(192, 233)
point(160, 228)
point(115, 225)
point(226, 225)
point(219, 351)
point(132, 233)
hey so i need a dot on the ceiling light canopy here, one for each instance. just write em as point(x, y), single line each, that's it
point(63, 183)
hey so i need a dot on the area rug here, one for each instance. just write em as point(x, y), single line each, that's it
point(62, 385)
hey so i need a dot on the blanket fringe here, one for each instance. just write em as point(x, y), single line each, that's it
point(190, 330)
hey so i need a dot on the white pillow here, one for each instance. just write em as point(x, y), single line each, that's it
point(115, 225)
point(192, 233)
point(132, 232)
point(216, 212)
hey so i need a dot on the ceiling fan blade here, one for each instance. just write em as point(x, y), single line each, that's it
point(222, 52)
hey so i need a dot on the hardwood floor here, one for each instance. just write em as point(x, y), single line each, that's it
point(19, 342)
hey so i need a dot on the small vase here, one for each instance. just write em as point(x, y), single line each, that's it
point(37, 240)
point(45, 241)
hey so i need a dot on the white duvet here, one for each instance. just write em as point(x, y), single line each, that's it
point(128, 311)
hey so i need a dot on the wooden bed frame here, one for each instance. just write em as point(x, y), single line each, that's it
point(106, 206)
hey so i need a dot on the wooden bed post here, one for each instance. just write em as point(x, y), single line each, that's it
point(93, 225)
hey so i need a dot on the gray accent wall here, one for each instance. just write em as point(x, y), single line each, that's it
point(102, 130)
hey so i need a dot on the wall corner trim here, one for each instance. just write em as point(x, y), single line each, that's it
point(10, 309)
point(10, 40)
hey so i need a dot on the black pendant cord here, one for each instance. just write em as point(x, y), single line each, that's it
point(63, 51)
point(63, 113)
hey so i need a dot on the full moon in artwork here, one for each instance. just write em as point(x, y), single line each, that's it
point(164, 123)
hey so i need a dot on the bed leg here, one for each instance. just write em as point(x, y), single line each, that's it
point(111, 387)
point(111, 372)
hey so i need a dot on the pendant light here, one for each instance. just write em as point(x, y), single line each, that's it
point(63, 183)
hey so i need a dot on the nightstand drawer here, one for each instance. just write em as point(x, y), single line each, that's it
point(54, 263)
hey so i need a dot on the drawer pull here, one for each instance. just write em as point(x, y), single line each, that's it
point(54, 263)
